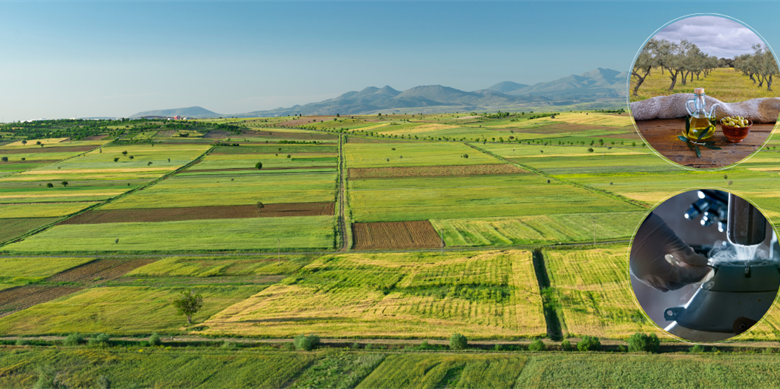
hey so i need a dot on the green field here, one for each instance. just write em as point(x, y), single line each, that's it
point(15, 227)
point(248, 161)
point(452, 371)
point(41, 210)
point(233, 189)
point(483, 295)
point(363, 155)
point(220, 266)
point(472, 197)
point(302, 232)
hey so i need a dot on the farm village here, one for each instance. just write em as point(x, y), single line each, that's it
point(406, 250)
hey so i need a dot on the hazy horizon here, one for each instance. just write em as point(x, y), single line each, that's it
point(111, 59)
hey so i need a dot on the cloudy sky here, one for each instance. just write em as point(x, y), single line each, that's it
point(63, 59)
point(718, 36)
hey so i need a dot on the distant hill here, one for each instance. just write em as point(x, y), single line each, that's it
point(507, 87)
point(595, 89)
point(193, 112)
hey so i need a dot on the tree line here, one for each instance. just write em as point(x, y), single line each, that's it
point(759, 66)
point(681, 61)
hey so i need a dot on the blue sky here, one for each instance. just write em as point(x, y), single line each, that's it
point(66, 59)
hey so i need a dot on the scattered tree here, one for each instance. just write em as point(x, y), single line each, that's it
point(188, 304)
point(306, 342)
point(537, 345)
point(5, 159)
point(643, 342)
point(50, 185)
point(458, 342)
point(64, 183)
point(116, 159)
point(589, 343)
point(154, 340)
point(259, 165)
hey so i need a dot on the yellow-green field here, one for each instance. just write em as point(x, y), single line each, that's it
point(725, 84)
point(481, 295)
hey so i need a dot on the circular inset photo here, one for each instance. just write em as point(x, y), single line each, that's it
point(705, 265)
point(701, 92)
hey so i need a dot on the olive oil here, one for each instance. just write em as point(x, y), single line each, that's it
point(699, 125)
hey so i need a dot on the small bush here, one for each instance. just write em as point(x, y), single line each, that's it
point(537, 345)
point(73, 340)
point(288, 347)
point(228, 345)
point(497, 347)
point(154, 340)
point(589, 343)
point(48, 378)
point(259, 165)
point(22, 342)
point(306, 342)
point(458, 342)
point(101, 340)
point(369, 346)
point(643, 342)
point(355, 346)
point(697, 349)
point(566, 346)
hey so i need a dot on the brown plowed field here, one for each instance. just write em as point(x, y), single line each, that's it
point(395, 235)
point(199, 213)
point(250, 168)
point(100, 270)
point(433, 171)
point(22, 297)
point(35, 150)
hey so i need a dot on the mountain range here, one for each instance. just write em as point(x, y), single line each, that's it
point(599, 88)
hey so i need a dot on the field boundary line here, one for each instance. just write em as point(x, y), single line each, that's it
point(562, 180)
point(107, 201)
point(551, 318)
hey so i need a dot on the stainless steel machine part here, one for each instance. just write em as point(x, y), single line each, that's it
point(746, 224)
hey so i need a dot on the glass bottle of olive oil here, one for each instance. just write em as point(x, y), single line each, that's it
point(701, 124)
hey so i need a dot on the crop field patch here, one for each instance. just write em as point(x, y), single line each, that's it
point(25, 269)
point(38, 150)
point(297, 232)
point(435, 171)
point(48, 210)
point(508, 195)
point(594, 292)
point(220, 266)
point(155, 368)
point(107, 309)
point(445, 371)
point(23, 297)
point(374, 155)
point(559, 128)
point(555, 228)
point(100, 270)
point(278, 148)
point(132, 215)
point(194, 190)
point(395, 235)
point(489, 294)
point(15, 227)
point(673, 370)
point(597, 163)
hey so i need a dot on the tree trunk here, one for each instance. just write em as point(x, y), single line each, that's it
point(760, 81)
point(673, 76)
point(684, 78)
point(189, 320)
point(641, 80)
point(769, 83)
point(751, 77)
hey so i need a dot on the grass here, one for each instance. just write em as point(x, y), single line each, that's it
point(482, 295)
point(594, 294)
point(41, 210)
point(563, 370)
point(34, 269)
point(578, 227)
point(233, 189)
point(154, 367)
point(306, 232)
point(362, 155)
point(473, 197)
point(440, 371)
point(278, 149)
point(725, 84)
point(120, 310)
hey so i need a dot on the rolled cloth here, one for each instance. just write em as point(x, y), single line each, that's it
point(763, 110)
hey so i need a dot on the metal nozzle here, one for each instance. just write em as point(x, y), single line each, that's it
point(746, 224)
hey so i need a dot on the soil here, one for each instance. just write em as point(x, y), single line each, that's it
point(433, 171)
point(22, 297)
point(395, 235)
point(100, 270)
point(199, 213)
